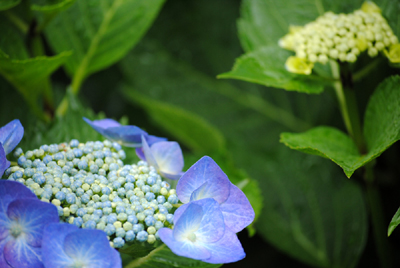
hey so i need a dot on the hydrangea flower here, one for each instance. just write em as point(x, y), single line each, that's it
point(129, 136)
point(22, 220)
point(205, 179)
point(166, 157)
point(68, 246)
point(10, 135)
point(200, 233)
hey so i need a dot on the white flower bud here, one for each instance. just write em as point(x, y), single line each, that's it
point(372, 52)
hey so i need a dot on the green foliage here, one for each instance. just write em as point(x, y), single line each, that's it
point(162, 257)
point(7, 4)
point(99, 33)
point(381, 130)
point(192, 130)
point(51, 6)
point(394, 222)
point(311, 211)
point(266, 66)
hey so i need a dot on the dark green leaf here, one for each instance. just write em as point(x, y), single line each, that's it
point(51, 6)
point(266, 66)
point(381, 130)
point(394, 222)
point(162, 257)
point(6, 4)
point(100, 32)
point(12, 40)
point(191, 129)
point(137, 250)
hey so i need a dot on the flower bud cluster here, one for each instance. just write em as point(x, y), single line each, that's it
point(341, 36)
point(92, 188)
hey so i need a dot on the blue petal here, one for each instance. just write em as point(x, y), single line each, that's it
point(3, 262)
point(127, 135)
point(33, 215)
point(189, 222)
point(11, 134)
point(4, 163)
point(168, 156)
point(227, 249)
point(101, 125)
point(53, 254)
point(212, 224)
point(91, 247)
point(19, 254)
point(204, 170)
point(140, 153)
point(9, 191)
point(171, 176)
point(148, 154)
point(237, 210)
point(154, 139)
point(183, 248)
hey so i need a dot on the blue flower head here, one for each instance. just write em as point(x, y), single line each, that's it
point(205, 179)
point(22, 220)
point(165, 156)
point(129, 136)
point(10, 135)
point(200, 233)
point(66, 245)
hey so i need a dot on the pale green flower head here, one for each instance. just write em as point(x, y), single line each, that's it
point(339, 37)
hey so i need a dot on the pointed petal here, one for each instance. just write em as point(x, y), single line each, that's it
point(102, 124)
point(168, 155)
point(212, 225)
point(189, 222)
point(237, 210)
point(9, 191)
point(19, 254)
point(91, 247)
point(227, 249)
point(204, 170)
point(53, 254)
point(148, 154)
point(183, 248)
point(11, 134)
point(4, 163)
point(154, 139)
point(127, 135)
point(171, 176)
point(140, 153)
point(33, 215)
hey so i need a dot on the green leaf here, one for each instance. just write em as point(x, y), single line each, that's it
point(394, 222)
point(189, 128)
point(381, 130)
point(266, 66)
point(311, 211)
point(51, 6)
point(99, 32)
point(7, 4)
point(163, 257)
point(28, 76)
point(12, 40)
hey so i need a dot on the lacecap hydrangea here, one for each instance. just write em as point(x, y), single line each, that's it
point(340, 37)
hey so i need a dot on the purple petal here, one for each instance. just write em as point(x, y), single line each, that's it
point(33, 215)
point(140, 153)
point(184, 248)
point(148, 154)
point(4, 163)
point(237, 210)
point(19, 254)
point(189, 222)
point(53, 253)
point(154, 139)
point(91, 247)
point(227, 249)
point(9, 191)
point(11, 134)
point(168, 155)
point(102, 124)
point(127, 135)
point(171, 176)
point(3, 262)
point(204, 170)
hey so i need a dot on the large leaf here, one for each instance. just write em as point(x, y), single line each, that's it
point(312, 212)
point(381, 130)
point(162, 257)
point(100, 32)
point(6, 4)
point(189, 128)
point(266, 66)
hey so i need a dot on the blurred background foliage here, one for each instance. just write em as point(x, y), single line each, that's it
point(308, 212)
